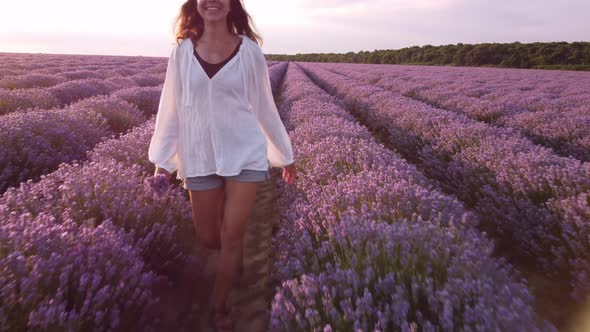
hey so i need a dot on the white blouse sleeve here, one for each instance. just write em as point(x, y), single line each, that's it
point(163, 145)
point(280, 152)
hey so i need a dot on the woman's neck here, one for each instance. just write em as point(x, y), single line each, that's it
point(216, 33)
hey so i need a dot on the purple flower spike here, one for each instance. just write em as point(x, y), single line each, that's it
point(158, 184)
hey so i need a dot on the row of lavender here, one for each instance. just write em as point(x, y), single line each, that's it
point(84, 248)
point(46, 86)
point(18, 64)
point(148, 74)
point(537, 203)
point(35, 142)
point(73, 66)
point(509, 89)
point(366, 242)
point(551, 108)
point(56, 109)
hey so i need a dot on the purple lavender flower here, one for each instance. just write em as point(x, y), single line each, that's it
point(157, 183)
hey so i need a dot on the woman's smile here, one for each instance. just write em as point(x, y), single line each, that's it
point(213, 10)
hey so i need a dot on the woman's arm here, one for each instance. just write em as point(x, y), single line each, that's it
point(163, 145)
point(280, 152)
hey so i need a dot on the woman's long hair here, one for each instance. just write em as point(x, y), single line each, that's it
point(191, 23)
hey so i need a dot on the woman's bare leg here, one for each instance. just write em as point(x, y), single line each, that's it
point(239, 201)
point(219, 217)
point(206, 220)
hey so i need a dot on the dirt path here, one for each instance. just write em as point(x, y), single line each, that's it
point(253, 296)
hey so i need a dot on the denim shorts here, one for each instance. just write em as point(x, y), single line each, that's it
point(211, 181)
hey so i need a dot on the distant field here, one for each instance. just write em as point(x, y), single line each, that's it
point(428, 198)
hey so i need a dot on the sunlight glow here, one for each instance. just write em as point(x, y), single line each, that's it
point(277, 13)
point(144, 27)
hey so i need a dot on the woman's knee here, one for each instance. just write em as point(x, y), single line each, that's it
point(205, 215)
point(207, 231)
point(231, 236)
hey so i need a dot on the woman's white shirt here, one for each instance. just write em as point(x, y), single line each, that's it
point(219, 125)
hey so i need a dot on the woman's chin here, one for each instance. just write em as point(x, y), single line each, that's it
point(213, 18)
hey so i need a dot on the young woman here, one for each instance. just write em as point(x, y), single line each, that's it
point(218, 127)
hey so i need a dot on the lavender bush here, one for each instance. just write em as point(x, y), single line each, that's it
point(146, 80)
point(13, 100)
point(69, 92)
point(30, 80)
point(121, 115)
point(129, 148)
point(36, 142)
point(67, 277)
point(145, 99)
point(81, 73)
point(108, 189)
point(404, 277)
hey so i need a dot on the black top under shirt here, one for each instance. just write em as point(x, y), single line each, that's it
point(212, 68)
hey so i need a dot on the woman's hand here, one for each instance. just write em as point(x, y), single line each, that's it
point(163, 171)
point(290, 173)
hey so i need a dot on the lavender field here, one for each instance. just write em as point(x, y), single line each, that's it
point(428, 198)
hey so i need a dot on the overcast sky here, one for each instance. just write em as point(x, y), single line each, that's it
point(134, 27)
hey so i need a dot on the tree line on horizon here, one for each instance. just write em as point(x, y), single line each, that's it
point(539, 55)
